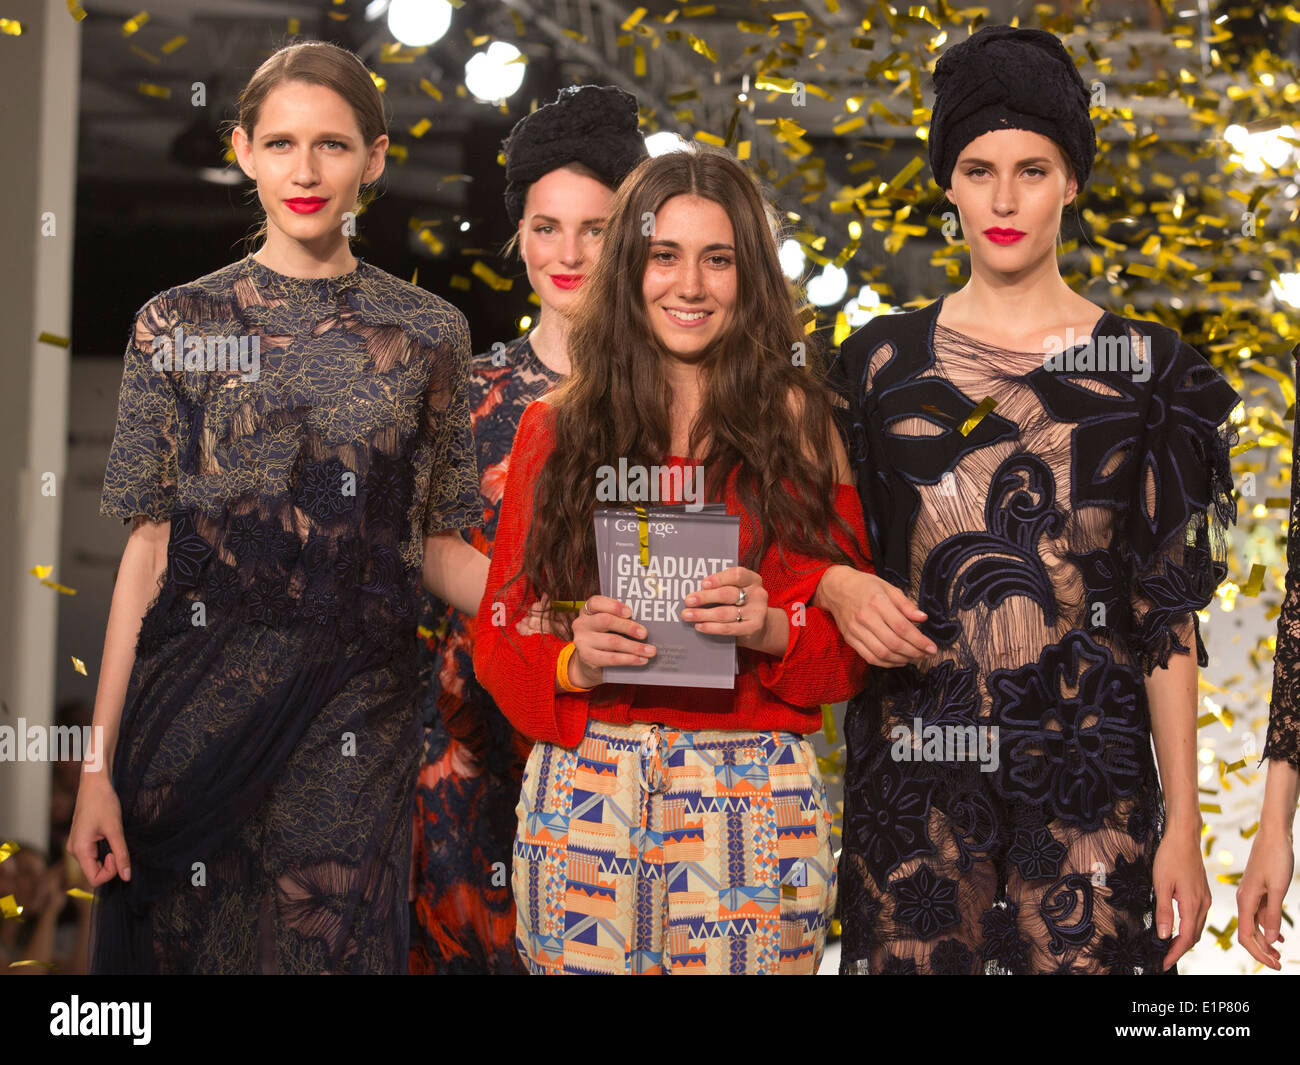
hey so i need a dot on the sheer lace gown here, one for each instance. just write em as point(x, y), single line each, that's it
point(1002, 806)
point(1283, 742)
point(271, 730)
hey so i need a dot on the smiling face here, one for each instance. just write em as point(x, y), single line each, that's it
point(1010, 186)
point(309, 159)
point(690, 281)
point(561, 233)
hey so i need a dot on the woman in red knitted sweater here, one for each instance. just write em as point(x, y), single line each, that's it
point(676, 829)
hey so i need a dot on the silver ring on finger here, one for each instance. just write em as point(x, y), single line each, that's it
point(738, 617)
point(743, 597)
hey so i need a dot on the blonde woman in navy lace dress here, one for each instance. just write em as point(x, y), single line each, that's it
point(264, 726)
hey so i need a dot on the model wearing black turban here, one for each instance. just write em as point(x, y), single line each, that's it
point(588, 124)
point(1004, 77)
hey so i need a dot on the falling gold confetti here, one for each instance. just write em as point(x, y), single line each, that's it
point(78, 665)
point(7, 849)
point(977, 415)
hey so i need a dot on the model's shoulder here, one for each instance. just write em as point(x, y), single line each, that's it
point(899, 327)
point(409, 298)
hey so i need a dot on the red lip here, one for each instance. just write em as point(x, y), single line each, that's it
point(1003, 236)
point(567, 281)
point(306, 204)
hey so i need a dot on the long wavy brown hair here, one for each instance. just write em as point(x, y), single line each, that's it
point(762, 417)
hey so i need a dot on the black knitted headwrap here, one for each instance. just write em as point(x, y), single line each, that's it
point(1004, 77)
point(589, 124)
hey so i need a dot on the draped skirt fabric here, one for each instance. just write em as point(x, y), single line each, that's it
point(650, 850)
point(265, 777)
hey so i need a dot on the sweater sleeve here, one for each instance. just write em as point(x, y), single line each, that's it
point(818, 665)
point(519, 671)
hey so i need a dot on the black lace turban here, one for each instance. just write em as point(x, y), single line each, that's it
point(1008, 78)
point(588, 124)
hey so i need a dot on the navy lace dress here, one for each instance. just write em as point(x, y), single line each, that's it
point(271, 730)
point(1283, 743)
point(1002, 807)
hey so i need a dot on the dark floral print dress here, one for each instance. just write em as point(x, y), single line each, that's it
point(1283, 743)
point(1002, 807)
point(468, 787)
point(271, 730)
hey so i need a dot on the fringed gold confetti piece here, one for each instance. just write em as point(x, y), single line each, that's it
point(459, 281)
point(381, 83)
point(977, 415)
point(80, 893)
point(148, 88)
point(421, 128)
point(11, 27)
point(55, 339)
point(632, 19)
point(78, 665)
point(828, 723)
point(1224, 938)
point(41, 572)
point(9, 907)
point(7, 849)
point(1229, 878)
point(643, 534)
point(638, 61)
point(709, 138)
point(31, 963)
point(62, 589)
point(133, 24)
point(1256, 582)
point(568, 606)
point(76, 10)
point(1246, 833)
point(1211, 808)
point(848, 125)
point(430, 88)
point(423, 631)
point(430, 240)
point(145, 55)
point(175, 43)
point(699, 10)
point(486, 274)
point(698, 45)
point(742, 151)
point(398, 152)
point(294, 27)
point(1240, 764)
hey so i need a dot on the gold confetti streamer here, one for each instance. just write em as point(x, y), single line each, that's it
point(633, 19)
point(76, 10)
point(133, 24)
point(148, 88)
point(643, 534)
point(41, 572)
point(431, 88)
point(1256, 582)
point(828, 723)
point(78, 665)
point(568, 606)
point(55, 339)
point(8, 848)
point(460, 281)
point(486, 274)
point(977, 415)
point(9, 907)
point(421, 128)
point(62, 589)
point(175, 43)
point(80, 893)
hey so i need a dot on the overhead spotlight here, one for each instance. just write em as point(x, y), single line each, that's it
point(864, 306)
point(1264, 148)
point(1287, 289)
point(417, 23)
point(792, 259)
point(828, 287)
point(663, 142)
point(491, 76)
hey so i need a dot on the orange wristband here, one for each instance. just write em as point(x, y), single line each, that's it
point(562, 669)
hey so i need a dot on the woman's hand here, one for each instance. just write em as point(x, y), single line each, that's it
point(1261, 891)
point(98, 815)
point(876, 619)
point(731, 602)
point(604, 634)
point(1179, 873)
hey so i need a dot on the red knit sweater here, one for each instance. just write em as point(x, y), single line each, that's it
point(770, 694)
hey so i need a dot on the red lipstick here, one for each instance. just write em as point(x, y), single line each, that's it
point(567, 281)
point(306, 204)
point(1003, 236)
